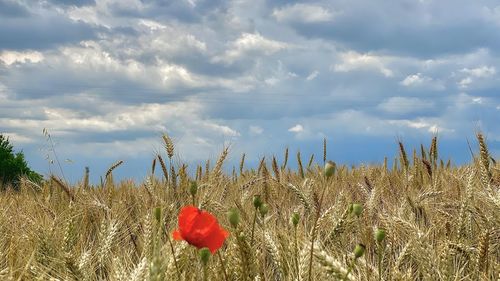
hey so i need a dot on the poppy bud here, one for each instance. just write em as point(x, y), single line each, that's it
point(257, 202)
point(157, 214)
point(356, 209)
point(204, 255)
point(380, 235)
point(330, 168)
point(359, 251)
point(264, 208)
point(193, 188)
point(234, 217)
point(295, 219)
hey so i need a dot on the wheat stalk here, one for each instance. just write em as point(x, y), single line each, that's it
point(108, 177)
point(169, 145)
point(163, 167)
point(218, 165)
point(299, 162)
point(242, 163)
point(86, 178)
point(63, 187)
point(485, 161)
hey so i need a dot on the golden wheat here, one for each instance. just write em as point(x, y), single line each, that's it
point(441, 223)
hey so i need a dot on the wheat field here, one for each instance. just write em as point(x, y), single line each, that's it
point(441, 221)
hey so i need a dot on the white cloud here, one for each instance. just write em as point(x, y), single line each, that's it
point(17, 138)
point(3, 91)
point(463, 101)
point(312, 76)
point(136, 120)
point(97, 15)
point(152, 25)
point(171, 41)
point(480, 72)
point(225, 130)
point(492, 14)
point(474, 74)
point(421, 124)
point(93, 59)
point(256, 130)
point(126, 148)
point(417, 124)
point(102, 12)
point(296, 129)
point(250, 44)
point(418, 80)
point(305, 13)
point(146, 116)
point(192, 3)
point(271, 81)
point(414, 80)
point(173, 74)
point(401, 105)
point(465, 82)
point(352, 60)
point(477, 100)
point(13, 57)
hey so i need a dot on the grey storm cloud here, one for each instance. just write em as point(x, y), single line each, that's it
point(185, 11)
point(108, 77)
point(34, 31)
point(416, 28)
point(11, 9)
point(77, 3)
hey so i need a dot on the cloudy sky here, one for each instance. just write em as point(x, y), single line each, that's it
point(107, 77)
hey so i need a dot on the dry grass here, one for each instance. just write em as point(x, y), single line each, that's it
point(442, 223)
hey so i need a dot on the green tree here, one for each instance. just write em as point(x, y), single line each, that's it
point(13, 165)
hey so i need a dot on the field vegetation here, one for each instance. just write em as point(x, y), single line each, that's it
point(421, 218)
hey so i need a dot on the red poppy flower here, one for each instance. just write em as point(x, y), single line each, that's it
point(200, 229)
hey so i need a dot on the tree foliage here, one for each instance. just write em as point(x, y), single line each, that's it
point(13, 165)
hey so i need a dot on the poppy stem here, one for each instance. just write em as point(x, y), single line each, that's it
point(223, 266)
point(205, 273)
point(351, 266)
point(173, 256)
point(296, 251)
point(380, 253)
point(253, 225)
point(315, 228)
point(263, 250)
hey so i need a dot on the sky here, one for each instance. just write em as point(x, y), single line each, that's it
point(106, 78)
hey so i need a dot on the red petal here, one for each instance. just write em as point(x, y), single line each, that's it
point(203, 225)
point(177, 235)
point(187, 217)
point(215, 240)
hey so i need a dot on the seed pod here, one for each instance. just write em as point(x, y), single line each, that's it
point(380, 235)
point(330, 168)
point(264, 209)
point(295, 219)
point(234, 217)
point(356, 209)
point(193, 189)
point(359, 251)
point(204, 255)
point(257, 201)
